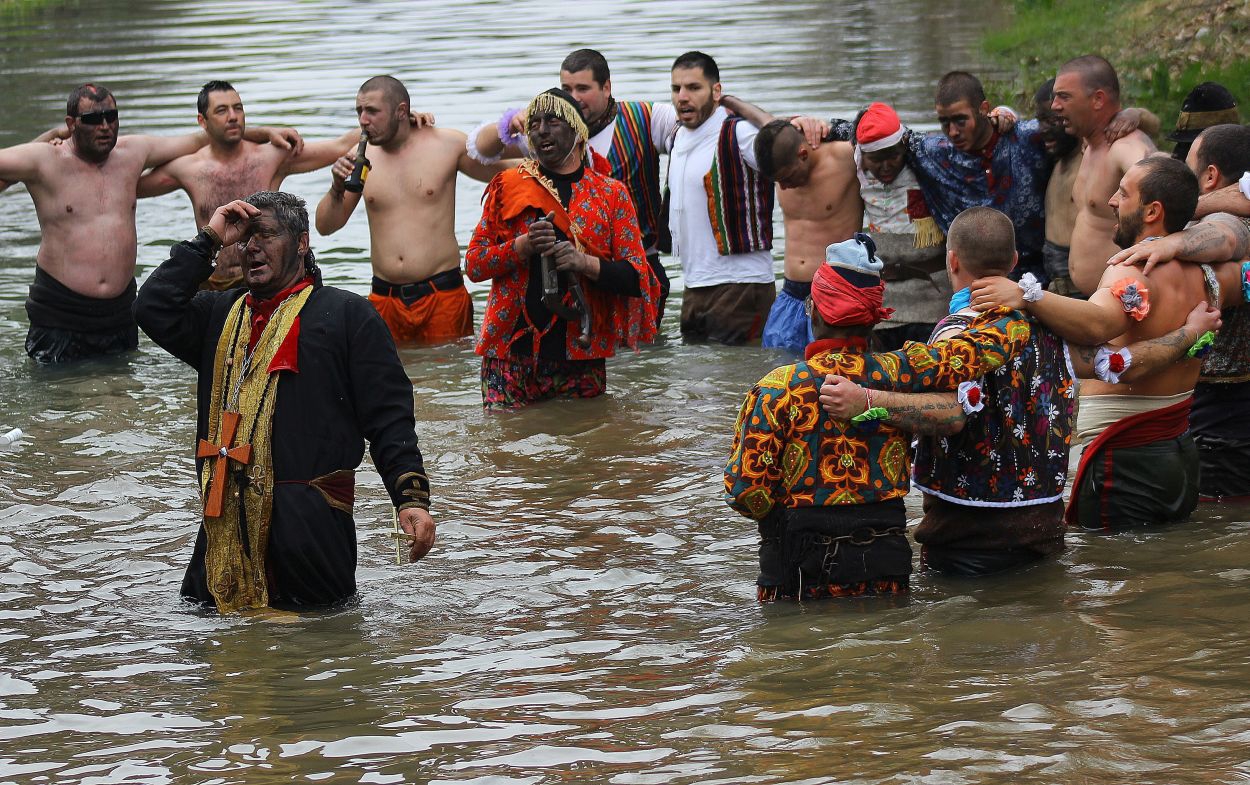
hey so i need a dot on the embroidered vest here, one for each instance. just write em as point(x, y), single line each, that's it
point(1013, 451)
point(739, 199)
point(635, 163)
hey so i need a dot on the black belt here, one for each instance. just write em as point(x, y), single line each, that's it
point(411, 292)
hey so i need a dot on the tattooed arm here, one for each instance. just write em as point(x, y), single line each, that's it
point(1217, 238)
point(937, 413)
point(1149, 356)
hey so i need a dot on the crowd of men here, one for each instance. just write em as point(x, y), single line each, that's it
point(960, 299)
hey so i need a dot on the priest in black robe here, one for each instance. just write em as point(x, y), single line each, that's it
point(294, 376)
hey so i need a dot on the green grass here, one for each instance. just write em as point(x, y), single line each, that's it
point(1155, 46)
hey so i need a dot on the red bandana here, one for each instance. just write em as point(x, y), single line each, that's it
point(841, 302)
point(262, 311)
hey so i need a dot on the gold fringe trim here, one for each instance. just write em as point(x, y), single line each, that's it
point(928, 233)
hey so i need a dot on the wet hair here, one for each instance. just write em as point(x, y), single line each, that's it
point(290, 212)
point(1227, 147)
point(1170, 183)
point(215, 86)
point(1044, 95)
point(699, 60)
point(984, 239)
point(1096, 74)
point(391, 88)
point(958, 86)
point(587, 60)
point(775, 147)
point(93, 92)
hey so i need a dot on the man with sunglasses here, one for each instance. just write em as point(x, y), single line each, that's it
point(84, 192)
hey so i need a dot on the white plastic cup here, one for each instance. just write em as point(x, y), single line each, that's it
point(7, 440)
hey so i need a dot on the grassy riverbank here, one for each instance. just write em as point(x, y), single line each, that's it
point(1161, 48)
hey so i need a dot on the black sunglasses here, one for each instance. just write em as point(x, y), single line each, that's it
point(98, 118)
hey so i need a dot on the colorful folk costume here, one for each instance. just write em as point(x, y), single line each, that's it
point(629, 137)
point(1139, 465)
point(909, 240)
point(289, 390)
point(530, 351)
point(828, 494)
point(720, 223)
point(994, 490)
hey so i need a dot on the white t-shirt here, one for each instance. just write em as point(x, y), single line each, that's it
point(689, 161)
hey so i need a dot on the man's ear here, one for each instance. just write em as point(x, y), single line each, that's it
point(716, 92)
point(199, 118)
point(303, 245)
point(984, 109)
point(1015, 259)
point(952, 261)
point(1152, 212)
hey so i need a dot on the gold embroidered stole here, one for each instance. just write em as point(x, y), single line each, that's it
point(235, 569)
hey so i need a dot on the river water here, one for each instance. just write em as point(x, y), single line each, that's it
point(587, 614)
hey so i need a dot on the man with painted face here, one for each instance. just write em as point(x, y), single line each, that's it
point(84, 193)
point(560, 244)
point(293, 376)
point(410, 199)
point(628, 134)
point(230, 167)
point(720, 211)
point(1064, 153)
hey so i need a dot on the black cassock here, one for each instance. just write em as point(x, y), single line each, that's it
point(351, 386)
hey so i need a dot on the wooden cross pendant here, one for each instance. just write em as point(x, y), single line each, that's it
point(222, 454)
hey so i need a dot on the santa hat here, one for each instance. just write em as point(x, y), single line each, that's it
point(879, 128)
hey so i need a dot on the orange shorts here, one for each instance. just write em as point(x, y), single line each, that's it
point(433, 317)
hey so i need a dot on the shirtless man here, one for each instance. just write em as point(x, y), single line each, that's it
point(819, 198)
point(410, 198)
point(1154, 475)
point(231, 168)
point(84, 194)
point(1064, 151)
point(1087, 98)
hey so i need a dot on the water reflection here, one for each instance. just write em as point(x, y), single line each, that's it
point(588, 615)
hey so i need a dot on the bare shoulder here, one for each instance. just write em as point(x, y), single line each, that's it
point(450, 137)
point(1130, 149)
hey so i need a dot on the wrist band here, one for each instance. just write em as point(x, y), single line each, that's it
point(1108, 365)
point(504, 126)
point(1202, 346)
point(1031, 287)
point(213, 237)
point(871, 412)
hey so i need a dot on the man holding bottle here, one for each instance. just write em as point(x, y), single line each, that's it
point(410, 198)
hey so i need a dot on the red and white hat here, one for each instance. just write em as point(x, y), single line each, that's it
point(878, 128)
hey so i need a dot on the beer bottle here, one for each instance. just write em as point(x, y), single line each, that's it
point(360, 172)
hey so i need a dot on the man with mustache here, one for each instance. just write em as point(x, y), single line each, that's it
point(410, 199)
point(560, 244)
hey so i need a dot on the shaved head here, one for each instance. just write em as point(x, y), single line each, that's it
point(984, 240)
point(1095, 73)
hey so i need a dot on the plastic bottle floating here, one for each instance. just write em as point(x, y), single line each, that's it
point(11, 438)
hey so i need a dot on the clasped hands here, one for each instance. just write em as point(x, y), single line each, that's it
point(541, 239)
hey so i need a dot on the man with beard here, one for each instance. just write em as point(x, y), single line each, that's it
point(720, 211)
point(629, 135)
point(820, 202)
point(84, 192)
point(410, 198)
point(560, 244)
point(293, 378)
point(1087, 98)
point(232, 167)
point(1139, 465)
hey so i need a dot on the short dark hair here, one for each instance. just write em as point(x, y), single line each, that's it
point(1170, 183)
point(92, 92)
point(215, 86)
point(1227, 147)
point(701, 61)
point(587, 59)
point(1096, 74)
point(775, 147)
point(958, 86)
point(1044, 95)
point(390, 87)
point(984, 239)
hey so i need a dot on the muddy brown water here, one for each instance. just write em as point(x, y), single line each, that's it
point(588, 613)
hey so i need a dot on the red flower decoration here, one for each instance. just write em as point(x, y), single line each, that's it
point(1116, 363)
point(974, 396)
